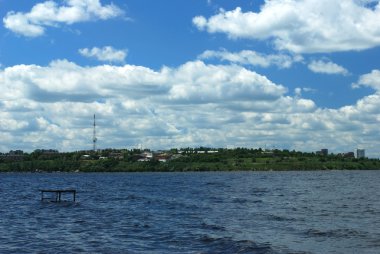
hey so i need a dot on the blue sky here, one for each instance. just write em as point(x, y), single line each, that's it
point(288, 74)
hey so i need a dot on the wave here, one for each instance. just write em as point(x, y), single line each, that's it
point(212, 227)
point(336, 233)
point(229, 245)
point(273, 217)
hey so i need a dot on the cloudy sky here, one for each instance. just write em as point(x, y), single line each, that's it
point(286, 74)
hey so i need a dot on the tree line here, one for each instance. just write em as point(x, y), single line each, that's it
point(185, 159)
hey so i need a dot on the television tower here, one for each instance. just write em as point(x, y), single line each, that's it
point(94, 139)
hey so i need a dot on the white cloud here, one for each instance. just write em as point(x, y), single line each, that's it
point(306, 26)
point(8, 124)
point(197, 82)
point(138, 105)
point(19, 23)
point(64, 80)
point(249, 57)
point(190, 105)
point(106, 54)
point(50, 14)
point(327, 67)
point(371, 79)
point(298, 91)
point(193, 82)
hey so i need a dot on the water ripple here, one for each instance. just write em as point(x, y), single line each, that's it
point(237, 212)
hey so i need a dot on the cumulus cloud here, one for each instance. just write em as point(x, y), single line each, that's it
point(249, 57)
point(189, 105)
point(193, 82)
point(307, 26)
point(7, 123)
point(200, 83)
point(177, 106)
point(371, 79)
point(106, 54)
point(50, 14)
point(326, 67)
point(64, 80)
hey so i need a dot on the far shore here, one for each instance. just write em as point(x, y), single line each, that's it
point(184, 160)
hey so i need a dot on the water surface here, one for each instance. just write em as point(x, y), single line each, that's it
point(213, 212)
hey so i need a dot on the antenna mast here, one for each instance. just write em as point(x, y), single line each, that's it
point(94, 139)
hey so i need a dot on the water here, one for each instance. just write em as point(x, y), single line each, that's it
point(238, 212)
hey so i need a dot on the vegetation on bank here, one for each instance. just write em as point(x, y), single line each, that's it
point(200, 159)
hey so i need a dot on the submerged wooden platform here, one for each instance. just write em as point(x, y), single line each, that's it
point(57, 195)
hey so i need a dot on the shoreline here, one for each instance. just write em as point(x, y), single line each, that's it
point(240, 159)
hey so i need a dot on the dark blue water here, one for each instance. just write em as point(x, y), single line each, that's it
point(239, 212)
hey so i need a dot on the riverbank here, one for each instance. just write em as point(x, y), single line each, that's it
point(172, 161)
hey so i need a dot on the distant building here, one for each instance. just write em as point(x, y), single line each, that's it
point(146, 156)
point(116, 155)
point(163, 157)
point(143, 159)
point(349, 155)
point(324, 152)
point(360, 153)
point(86, 156)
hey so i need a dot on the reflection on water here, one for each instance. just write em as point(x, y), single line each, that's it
point(238, 212)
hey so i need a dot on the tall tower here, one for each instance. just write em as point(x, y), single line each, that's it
point(360, 153)
point(94, 139)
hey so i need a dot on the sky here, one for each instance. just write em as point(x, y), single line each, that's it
point(286, 74)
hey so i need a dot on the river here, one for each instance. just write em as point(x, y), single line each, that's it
point(210, 212)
